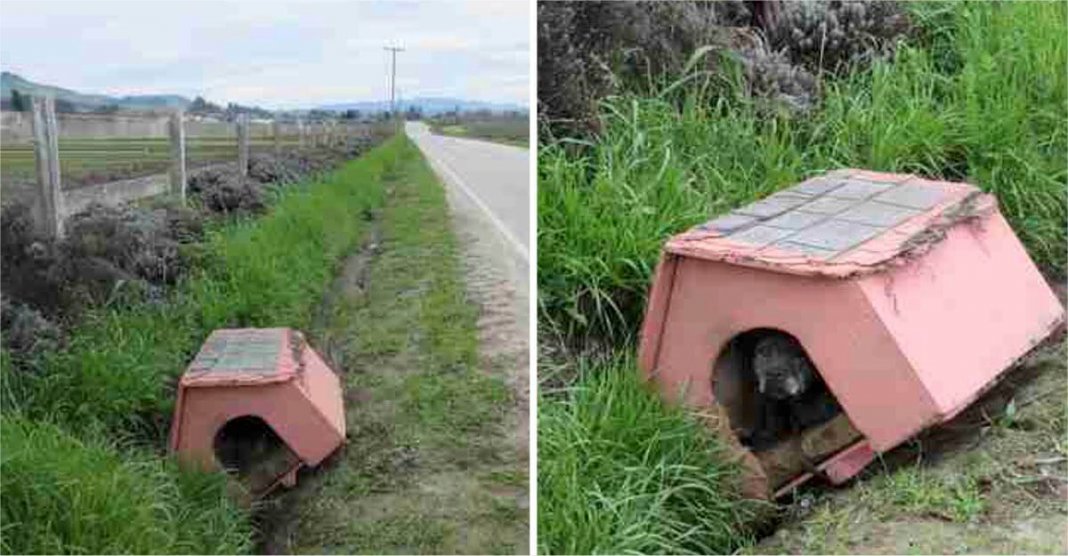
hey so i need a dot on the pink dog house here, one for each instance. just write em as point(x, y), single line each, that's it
point(910, 297)
point(266, 377)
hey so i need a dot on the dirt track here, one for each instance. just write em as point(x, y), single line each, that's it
point(498, 286)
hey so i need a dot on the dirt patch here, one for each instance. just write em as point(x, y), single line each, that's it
point(351, 282)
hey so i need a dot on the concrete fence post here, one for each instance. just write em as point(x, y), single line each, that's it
point(242, 144)
point(176, 129)
point(300, 130)
point(49, 206)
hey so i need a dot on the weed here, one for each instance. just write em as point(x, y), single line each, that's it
point(919, 492)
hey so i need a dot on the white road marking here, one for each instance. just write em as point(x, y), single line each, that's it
point(444, 168)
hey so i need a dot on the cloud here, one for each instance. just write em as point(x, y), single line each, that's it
point(274, 53)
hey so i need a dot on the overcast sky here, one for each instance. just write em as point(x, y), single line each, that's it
point(277, 54)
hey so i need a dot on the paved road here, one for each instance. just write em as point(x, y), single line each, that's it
point(493, 177)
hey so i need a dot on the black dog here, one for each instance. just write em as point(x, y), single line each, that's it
point(791, 396)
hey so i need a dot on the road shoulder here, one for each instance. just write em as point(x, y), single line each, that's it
point(430, 465)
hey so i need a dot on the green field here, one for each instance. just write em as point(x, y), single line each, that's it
point(510, 131)
point(978, 94)
point(99, 160)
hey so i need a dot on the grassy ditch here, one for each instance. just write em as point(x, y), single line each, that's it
point(981, 97)
point(64, 494)
point(89, 422)
point(429, 466)
point(977, 94)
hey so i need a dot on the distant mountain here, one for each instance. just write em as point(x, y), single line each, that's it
point(82, 101)
point(431, 106)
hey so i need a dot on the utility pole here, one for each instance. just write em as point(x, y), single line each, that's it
point(393, 50)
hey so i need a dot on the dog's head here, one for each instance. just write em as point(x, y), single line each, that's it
point(782, 369)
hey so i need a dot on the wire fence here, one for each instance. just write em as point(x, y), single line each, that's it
point(58, 164)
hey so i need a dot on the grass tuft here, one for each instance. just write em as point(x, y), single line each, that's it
point(957, 498)
point(65, 495)
point(619, 472)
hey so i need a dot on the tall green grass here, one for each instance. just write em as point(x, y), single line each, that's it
point(65, 495)
point(84, 427)
point(618, 473)
point(981, 96)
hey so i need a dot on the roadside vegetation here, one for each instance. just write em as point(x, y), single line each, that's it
point(965, 91)
point(509, 129)
point(85, 415)
point(429, 466)
point(978, 97)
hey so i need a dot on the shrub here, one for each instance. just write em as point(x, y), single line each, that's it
point(589, 51)
point(838, 36)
